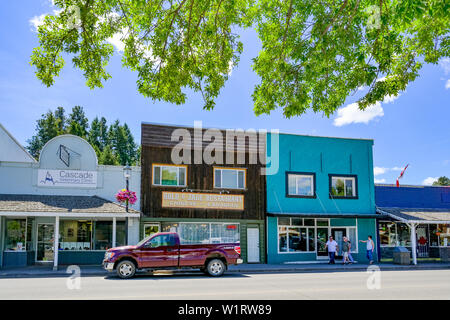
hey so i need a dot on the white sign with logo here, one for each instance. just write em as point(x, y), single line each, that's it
point(67, 178)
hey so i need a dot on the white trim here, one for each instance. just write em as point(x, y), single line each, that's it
point(20, 146)
point(114, 229)
point(70, 214)
point(412, 221)
point(56, 243)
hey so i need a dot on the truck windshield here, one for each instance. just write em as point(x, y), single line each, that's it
point(140, 243)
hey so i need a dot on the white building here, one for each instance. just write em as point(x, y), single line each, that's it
point(67, 193)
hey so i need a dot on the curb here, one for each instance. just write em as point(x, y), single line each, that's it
point(233, 270)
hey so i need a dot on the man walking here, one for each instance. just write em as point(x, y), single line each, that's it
point(369, 247)
point(346, 246)
point(332, 247)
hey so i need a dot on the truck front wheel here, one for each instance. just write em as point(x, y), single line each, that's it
point(126, 269)
point(215, 267)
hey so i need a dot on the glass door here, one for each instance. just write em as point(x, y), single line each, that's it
point(322, 238)
point(422, 241)
point(45, 238)
point(338, 235)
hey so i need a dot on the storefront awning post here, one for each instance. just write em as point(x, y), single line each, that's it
point(56, 244)
point(412, 227)
point(114, 232)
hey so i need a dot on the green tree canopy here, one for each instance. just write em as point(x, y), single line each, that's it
point(442, 181)
point(113, 145)
point(314, 53)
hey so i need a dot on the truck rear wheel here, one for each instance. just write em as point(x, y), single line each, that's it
point(215, 268)
point(126, 269)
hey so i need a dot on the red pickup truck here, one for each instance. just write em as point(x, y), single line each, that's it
point(164, 251)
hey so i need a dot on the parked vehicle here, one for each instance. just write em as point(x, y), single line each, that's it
point(164, 251)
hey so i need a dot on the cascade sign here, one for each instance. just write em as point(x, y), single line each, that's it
point(67, 178)
point(202, 200)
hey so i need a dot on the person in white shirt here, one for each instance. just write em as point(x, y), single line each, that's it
point(370, 246)
point(333, 248)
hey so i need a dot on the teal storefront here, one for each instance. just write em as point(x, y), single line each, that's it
point(324, 187)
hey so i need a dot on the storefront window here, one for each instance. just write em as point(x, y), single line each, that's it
point(282, 239)
point(103, 235)
point(404, 235)
point(75, 235)
point(388, 233)
point(15, 234)
point(224, 233)
point(150, 228)
point(296, 239)
point(322, 222)
point(79, 235)
point(443, 232)
point(200, 233)
point(353, 239)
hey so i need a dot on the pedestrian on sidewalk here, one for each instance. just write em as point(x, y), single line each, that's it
point(370, 246)
point(347, 256)
point(332, 247)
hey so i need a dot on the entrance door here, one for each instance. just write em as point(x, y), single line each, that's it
point(322, 238)
point(422, 241)
point(338, 235)
point(45, 244)
point(253, 245)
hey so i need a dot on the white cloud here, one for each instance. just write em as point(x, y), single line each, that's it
point(429, 181)
point(447, 84)
point(36, 21)
point(352, 114)
point(379, 170)
point(445, 64)
point(380, 180)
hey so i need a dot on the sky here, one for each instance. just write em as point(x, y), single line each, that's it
point(412, 128)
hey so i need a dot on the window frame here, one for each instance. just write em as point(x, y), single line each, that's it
point(178, 175)
point(298, 173)
point(237, 177)
point(344, 176)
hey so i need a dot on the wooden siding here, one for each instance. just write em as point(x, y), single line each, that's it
point(199, 179)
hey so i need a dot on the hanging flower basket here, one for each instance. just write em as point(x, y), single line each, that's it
point(126, 196)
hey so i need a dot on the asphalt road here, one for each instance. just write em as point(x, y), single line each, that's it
point(418, 284)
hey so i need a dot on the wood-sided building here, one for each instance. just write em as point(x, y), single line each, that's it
point(205, 200)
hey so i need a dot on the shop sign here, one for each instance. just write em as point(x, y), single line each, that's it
point(67, 178)
point(202, 200)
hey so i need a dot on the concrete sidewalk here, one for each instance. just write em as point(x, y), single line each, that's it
point(86, 271)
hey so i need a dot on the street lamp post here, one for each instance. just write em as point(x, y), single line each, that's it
point(127, 175)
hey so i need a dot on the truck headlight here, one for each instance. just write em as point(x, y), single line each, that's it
point(109, 255)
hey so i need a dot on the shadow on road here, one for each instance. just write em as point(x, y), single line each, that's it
point(167, 275)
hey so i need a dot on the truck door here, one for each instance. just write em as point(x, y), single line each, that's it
point(159, 251)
